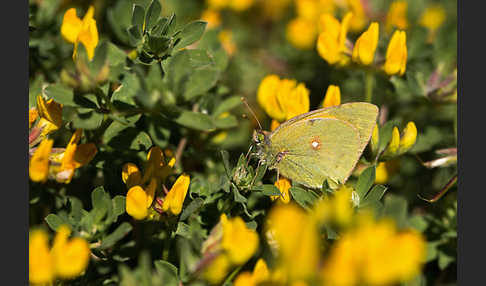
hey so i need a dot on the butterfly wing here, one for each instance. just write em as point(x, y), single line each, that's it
point(315, 149)
point(360, 115)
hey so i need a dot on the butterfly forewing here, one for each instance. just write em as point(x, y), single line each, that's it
point(316, 149)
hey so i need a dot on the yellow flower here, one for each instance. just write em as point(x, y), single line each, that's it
point(33, 115)
point(158, 165)
point(332, 97)
point(39, 163)
point(138, 200)
point(41, 263)
point(212, 17)
point(74, 157)
point(396, 54)
point(131, 176)
point(374, 253)
point(239, 242)
point(226, 40)
point(365, 46)
point(71, 257)
point(331, 41)
point(175, 198)
point(260, 274)
point(381, 173)
point(295, 102)
point(218, 269)
point(295, 239)
point(301, 33)
point(397, 16)
point(408, 139)
point(375, 137)
point(283, 185)
point(358, 22)
point(75, 31)
point(282, 99)
point(392, 147)
point(343, 209)
point(433, 17)
point(240, 5)
point(50, 113)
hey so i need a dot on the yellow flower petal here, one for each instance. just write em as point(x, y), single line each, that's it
point(41, 264)
point(51, 111)
point(33, 115)
point(88, 36)
point(397, 16)
point(84, 154)
point(73, 259)
point(381, 173)
point(267, 97)
point(239, 242)
point(365, 46)
point(274, 124)
point(136, 203)
point(375, 137)
point(332, 97)
point(283, 185)
point(244, 279)
point(131, 176)
point(409, 137)
point(301, 33)
point(433, 17)
point(396, 54)
point(71, 26)
point(150, 191)
point(39, 163)
point(343, 209)
point(298, 101)
point(240, 5)
point(394, 142)
point(261, 272)
point(175, 198)
point(217, 270)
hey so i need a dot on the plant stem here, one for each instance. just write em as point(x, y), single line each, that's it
point(369, 82)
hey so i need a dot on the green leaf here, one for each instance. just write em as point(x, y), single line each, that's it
point(303, 197)
point(267, 190)
point(225, 122)
point(225, 157)
point(191, 208)
point(195, 120)
point(134, 35)
point(86, 119)
point(365, 181)
point(116, 127)
point(373, 196)
point(158, 44)
point(167, 271)
point(76, 212)
point(239, 198)
point(123, 96)
point(141, 142)
point(396, 208)
point(153, 14)
point(190, 34)
point(138, 17)
point(200, 81)
point(102, 204)
point(61, 94)
point(183, 230)
point(55, 221)
point(118, 206)
point(120, 232)
point(226, 105)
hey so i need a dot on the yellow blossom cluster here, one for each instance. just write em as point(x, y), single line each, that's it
point(303, 30)
point(142, 188)
point(399, 144)
point(367, 252)
point(75, 30)
point(48, 162)
point(66, 259)
point(282, 99)
point(231, 243)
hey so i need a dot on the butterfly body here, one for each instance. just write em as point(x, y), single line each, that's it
point(323, 144)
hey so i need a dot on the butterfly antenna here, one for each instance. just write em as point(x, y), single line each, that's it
point(243, 99)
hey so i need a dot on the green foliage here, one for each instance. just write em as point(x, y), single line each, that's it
point(172, 82)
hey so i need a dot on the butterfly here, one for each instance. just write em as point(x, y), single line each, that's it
point(318, 146)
